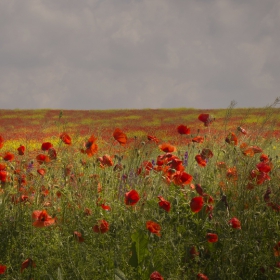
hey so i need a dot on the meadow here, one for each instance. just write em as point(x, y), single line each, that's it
point(140, 194)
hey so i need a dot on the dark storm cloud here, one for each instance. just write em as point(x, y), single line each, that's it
point(138, 53)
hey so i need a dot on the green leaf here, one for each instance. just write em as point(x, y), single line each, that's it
point(139, 248)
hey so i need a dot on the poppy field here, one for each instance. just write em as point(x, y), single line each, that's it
point(140, 194)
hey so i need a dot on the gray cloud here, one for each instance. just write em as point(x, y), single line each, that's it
point(138, 53)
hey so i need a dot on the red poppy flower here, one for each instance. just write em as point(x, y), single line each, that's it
point(41, 171)
point(21, 150)
point(261, 177)
point(153, 227)
point(91, 147)
point(156, 276)
point(46, 146)
point(200, 161)
point(42, 219)
point(182, 129)
point(101, 227)
point(8, 156)
point(42, 159)
point(120, 136)
point(25, 264)
point(106, 160)
point(264, 158)
point(182, 178)
point(264, 167)
point(3, 175)
point(167, 148)
point(65, 138)
point(201, 276)
point(235, 223)
point(198, 139)
point(175, 163)
point(231, 139)
point(164, 204)
point(105, 207)
point(153, 139)
point(2, 268)
point(206, 119)
point(3, 166)
point(78, 236)
point(131, 197)
point(196, 204)
point(232, 173)
point(249, 152)
point(212, 237)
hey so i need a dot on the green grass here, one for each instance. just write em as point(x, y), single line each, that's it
point(75, 182)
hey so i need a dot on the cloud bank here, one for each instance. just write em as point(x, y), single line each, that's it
point(105, 54)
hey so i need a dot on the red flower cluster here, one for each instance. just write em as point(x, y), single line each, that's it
point(101, 227)
point(260, 175)
point(3, 268)
point(203, 157)
point(46, 146)
point(182, 129)
point(105, 160)
point(206, 119)
point(153, 139)
point(212, 237)
point(42, 219)
point(167, 147)
point(196, 204)
point(164, 204)
point(156, 276)
point(120, 136)
point(231, 139)
point(201, 276)
point(173, 169)
point(131, 197)
point(90, 147)
point(235, 223)
point(8, 156)
point(21, 150)
point(65, 138)
point(198, 139)
point(153, 227)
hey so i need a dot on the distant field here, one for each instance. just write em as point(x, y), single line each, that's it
point(43, 125)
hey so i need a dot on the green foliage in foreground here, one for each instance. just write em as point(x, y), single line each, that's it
point(75, 190)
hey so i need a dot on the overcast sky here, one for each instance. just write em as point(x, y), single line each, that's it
point(125, 54)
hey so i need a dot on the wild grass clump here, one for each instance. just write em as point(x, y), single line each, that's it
point(118, 207)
